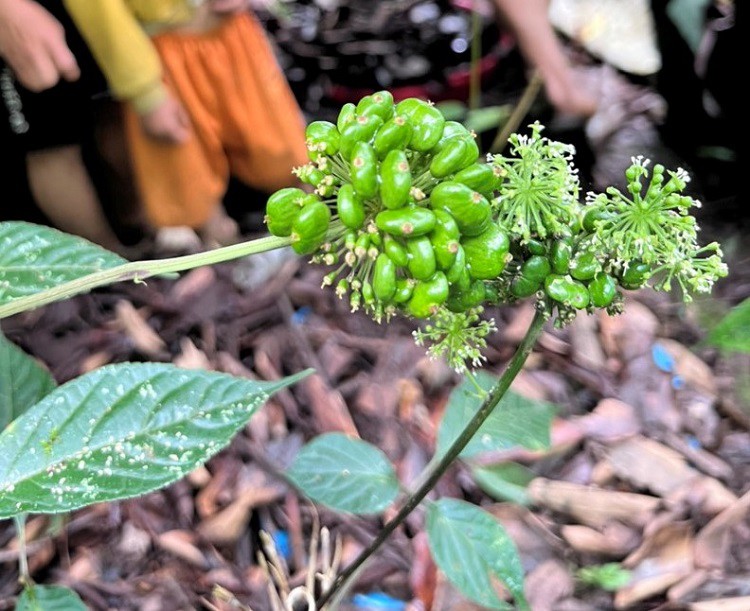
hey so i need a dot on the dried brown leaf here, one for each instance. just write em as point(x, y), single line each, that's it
point(664, 558)
point(134, 542)
point(613, 540)
point(740, 603)
point(631, 333)
point(199, 477)
point(706, 462)
point(229, 524)
point(516, 329)
point(220, 489)
point(85, 566)
point(534, 536)
point(336, 359)
point(611, 420)
point(191, 357)
point(713, 541)
point(144, 338)
point(547, 584)
point(651, 465)
point(694, 371)
point(328, 407)
point(584, 340)
point(95, 360)
point(423, 573)
point(181, 544)
point(192, 285)
point(590, 505)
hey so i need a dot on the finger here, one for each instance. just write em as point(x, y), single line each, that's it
point(65, 61)
point(39, 74)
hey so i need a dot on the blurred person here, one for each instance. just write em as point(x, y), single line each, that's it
point(205, 100)
point(32, 42)
point(542, 49)
point(47, 106)
point(700, 44)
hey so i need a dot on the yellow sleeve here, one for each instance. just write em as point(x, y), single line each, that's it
point(122, 49)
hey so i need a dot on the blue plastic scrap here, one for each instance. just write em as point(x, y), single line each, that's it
point(281, 541)
point(378, 601)
point(665, 362)
point(300, 316)
point(662, 358)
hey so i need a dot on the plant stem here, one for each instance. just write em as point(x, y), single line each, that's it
point(475, 91)
point(140, 270)
point(433, 473)
point(481, 392)
point(23, 562)
point(519, 112)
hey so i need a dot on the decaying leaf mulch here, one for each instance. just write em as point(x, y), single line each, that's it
point(649, 465)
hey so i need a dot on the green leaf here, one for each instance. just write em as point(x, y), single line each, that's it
point(345, 473)
point(483, 119)
point(452, 110)
point(733, 331)
point(49, 598)
point(34, 258)
point(504, 482)
point(23, 382)
point(611, 576)
point(516, 421)
point(472, 548)
point(119, 432)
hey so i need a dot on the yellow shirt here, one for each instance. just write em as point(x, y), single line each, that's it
point(115, 31)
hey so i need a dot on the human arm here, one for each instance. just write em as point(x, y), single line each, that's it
point(541, 48)
point(32, 42)
point(131, 65)
point(122, 49)
point(226, 7)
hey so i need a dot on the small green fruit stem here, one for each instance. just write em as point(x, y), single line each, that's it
point(431, 476)
point(23, 562)
point(140, 270)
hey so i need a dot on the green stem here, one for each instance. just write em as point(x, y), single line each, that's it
point(434, 472)
point(23, 562)
point(140, 270)
point(475, 92)
point(481, 392)
point(519, 112)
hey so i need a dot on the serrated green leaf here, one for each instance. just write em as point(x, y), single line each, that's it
point(345, 473)
point(472, 548)
point(34, 258)
point(49, 598)
point(516, 421)
point(733, 331)
point(23, 382)
point(119, 432)
point(504, 482)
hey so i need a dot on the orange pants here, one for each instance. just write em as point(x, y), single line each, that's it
point(244, 118)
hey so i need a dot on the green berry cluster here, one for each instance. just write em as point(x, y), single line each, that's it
point(414, 222)
point(401, 207)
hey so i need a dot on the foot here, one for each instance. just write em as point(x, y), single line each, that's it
point(176, 240)
point(220, 230)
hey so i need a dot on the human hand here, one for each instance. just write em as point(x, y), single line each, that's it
point(569, 95)
point(167, 122)
point(226, 7)
point(32, 42)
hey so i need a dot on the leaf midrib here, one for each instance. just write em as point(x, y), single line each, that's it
point(143, 434)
